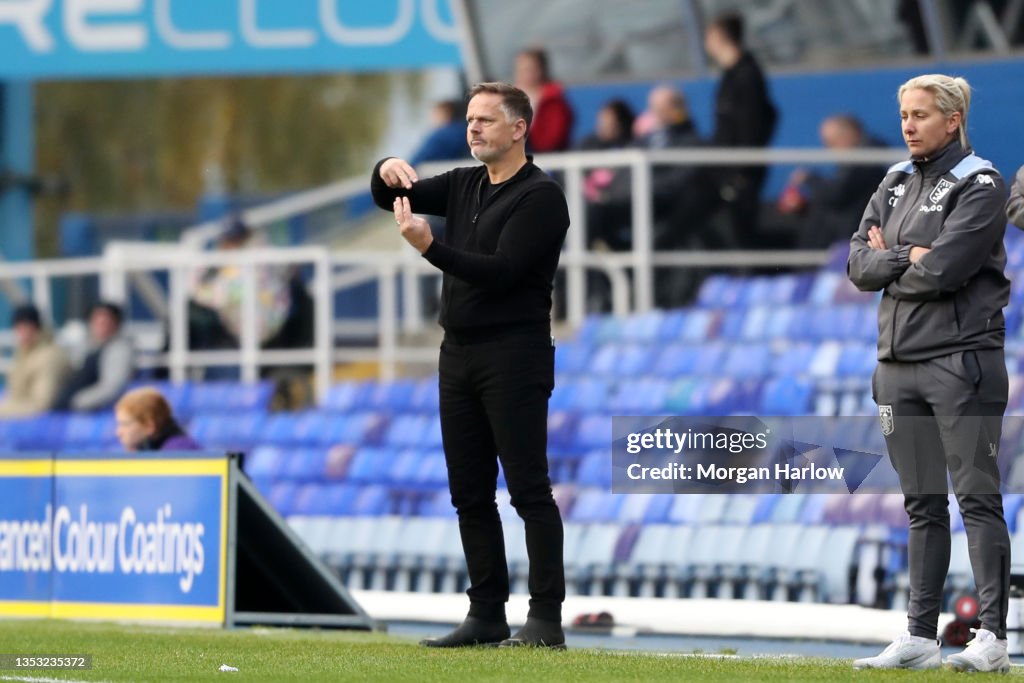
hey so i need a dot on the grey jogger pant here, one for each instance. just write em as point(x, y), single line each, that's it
point(945, 415)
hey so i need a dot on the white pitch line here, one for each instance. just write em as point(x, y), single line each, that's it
point(43, 679)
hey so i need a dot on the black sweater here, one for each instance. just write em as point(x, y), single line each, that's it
point(499, 255)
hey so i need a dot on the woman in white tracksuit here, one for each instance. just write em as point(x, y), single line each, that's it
point(931, 240)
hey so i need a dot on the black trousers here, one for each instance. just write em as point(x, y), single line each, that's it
point(945, 414)
point(494, 395)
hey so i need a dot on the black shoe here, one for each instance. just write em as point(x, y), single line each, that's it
point(472, 631)
point(537, 633)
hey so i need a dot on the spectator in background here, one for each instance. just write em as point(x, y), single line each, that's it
point(829, 208)
point(552, 115)
point(38, 369)
point(609, 211)
point(447, 140)
point(1015, 205)
point(744, 117)
point(215, 312)
point(614, 127)
point(107, 367)
point(145, 423)
point(614, 130)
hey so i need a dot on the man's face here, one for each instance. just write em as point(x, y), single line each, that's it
point(714, 42)
point(836, 135)
point(926, 130)
point(130, 431)
point(662, 105)
point(528, 72)
point(25, 334)
point(102, 325)
point(489, 132)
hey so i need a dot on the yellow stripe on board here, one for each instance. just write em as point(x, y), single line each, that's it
point(26, 468)
point(223, 550)
point(14, 608)
point(100, 610)
point(145, 468)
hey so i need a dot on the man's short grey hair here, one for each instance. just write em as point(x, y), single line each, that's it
point(514, 102)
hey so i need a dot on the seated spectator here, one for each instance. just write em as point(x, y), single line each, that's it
point(614, 127)
point(609, 213)
point(107, 367)
point(828, 208)
point(1015, 205)
point(38, 369)
point(215, 310)
point(447, 140)
point(552, 114)
point(145, 423)
point(614, 130)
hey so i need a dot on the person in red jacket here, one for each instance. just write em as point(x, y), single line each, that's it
point(552, 115)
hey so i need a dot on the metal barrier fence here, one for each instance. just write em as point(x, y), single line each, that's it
point(127, 266)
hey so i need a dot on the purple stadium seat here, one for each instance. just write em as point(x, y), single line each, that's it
point(337, 461)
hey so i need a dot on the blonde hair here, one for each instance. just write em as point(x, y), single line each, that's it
point(952, 94)
point(146, 403)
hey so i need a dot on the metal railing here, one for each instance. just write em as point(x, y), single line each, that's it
point(127, 266)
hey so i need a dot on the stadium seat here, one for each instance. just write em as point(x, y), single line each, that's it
point(206, 397)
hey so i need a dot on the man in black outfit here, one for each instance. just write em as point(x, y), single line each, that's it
point(506, 221)
point(744, 117)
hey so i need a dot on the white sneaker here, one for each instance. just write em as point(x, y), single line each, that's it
point(906, 652)
point(984, 653)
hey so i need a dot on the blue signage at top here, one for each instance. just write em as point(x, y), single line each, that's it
point(114, 38)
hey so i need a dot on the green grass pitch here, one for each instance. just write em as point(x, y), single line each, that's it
point(148, 653)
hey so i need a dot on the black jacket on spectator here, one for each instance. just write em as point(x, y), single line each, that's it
point(744, 114)
point(835, 204)
point(744, 117)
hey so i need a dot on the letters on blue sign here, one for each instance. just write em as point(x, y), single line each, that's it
point(76, 38)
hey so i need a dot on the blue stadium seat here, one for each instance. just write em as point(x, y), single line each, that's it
point(572, 357)
point(439, 505)
point(786, 395)
point(407, 430)
point(595, 469)
point(857, 360)
point(282, 495)
point(561, 428)
point(265, 461)
point(425, 396)
point(342, 397)
point(372, 501)
point(677, 359)
point(594, 431)
point(404, 466)
point(586, 394)
point(221, 396)
point(747, 361)
point(281, 429)
point(640, 396)
point(89, 430)
point(303, 464)
point(644, 327)
point(363, 428)
point(370, 465)
point(395, 396)
point(732, 324)
point(596, 505)
point(719, 291)
point(432, 471)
